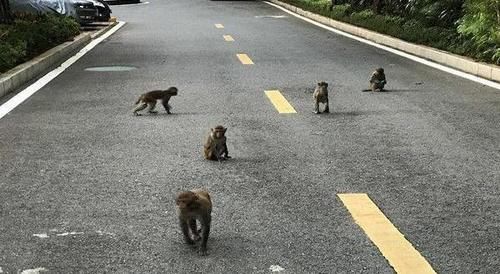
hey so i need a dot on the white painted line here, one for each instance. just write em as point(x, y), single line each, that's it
point(27, 92)
point(398, 52)
point(102, 233)
point(271, 16)
point(42, 235)
point(35, 270)
point(1, 270)
point(276, 268)
point(69, 233)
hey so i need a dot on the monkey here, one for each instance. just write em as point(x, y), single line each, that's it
point(377, 80)
point(192, 206)
point(320, 95)
point(215, 147)
point(149, 98)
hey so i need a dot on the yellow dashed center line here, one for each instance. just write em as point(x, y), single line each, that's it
point(279, 101)
point(244, 59)
point(219, 26)
point(228, 38)
point(400, 253)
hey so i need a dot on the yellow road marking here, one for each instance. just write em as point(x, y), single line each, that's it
point(279, 101)
point(400, 253)
point(228, 38)
point(244, 59)
point(219, 26)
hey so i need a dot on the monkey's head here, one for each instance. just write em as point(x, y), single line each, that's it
point(323, 84)
point(172, 91)
point(380, 70)
point(186, 200)
point(218, 131)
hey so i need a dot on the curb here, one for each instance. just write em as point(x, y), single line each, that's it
point(483, 70)
point(41, 64)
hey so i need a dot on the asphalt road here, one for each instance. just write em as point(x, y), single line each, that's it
point(86, 187)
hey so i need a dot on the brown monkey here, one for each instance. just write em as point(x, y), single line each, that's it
point(215, 147)
point(149, 98)
point(320, 95)
point(377, 80)
point(192, 206)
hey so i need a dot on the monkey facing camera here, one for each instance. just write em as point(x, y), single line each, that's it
point(377, 80)
point(215, 147)
point(320, 95)
point(195, 207)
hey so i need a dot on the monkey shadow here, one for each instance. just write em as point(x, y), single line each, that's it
point(336, 114)
point(164, 114)
point(218, 248)
point(394, 90)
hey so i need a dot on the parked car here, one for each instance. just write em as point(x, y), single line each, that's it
point(84, 11)
point(121, 1)
point(103, 10)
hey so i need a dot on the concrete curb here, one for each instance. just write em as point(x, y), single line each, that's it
point(24, 73)
point(483, 70)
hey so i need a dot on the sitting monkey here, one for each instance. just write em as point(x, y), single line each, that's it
point(192, 206)
point(320, 95)
point(377, 80)
point(149, 98)
point(215, 147)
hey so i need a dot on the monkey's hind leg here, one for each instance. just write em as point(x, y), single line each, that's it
point(139, 108)
point(152, 107)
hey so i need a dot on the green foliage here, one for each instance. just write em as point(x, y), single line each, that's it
point(31, 35)
point(481, 24)
point(428, 22)
point(340, 11)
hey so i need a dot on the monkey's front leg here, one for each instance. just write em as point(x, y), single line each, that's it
point(166, 106)
point(194, 230)
point(316, 107)
point(225, 152)
point(185, 231)
point(327, 108)
point(205, 231)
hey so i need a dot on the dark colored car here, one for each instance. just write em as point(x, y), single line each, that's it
point(103, 10)
point(83, 11)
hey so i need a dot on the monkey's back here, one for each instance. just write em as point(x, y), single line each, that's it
point(204, 197)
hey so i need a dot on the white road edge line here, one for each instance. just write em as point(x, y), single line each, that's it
point(395, 51)
point(27, 92)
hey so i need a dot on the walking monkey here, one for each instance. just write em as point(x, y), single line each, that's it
point(320, 95)
point(193, 206)
point(149, 99)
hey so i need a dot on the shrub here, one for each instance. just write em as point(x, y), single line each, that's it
point(31, 35)
point(427, 22)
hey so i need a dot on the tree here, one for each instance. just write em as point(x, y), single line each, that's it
point(5, 16)
point(481, 22)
